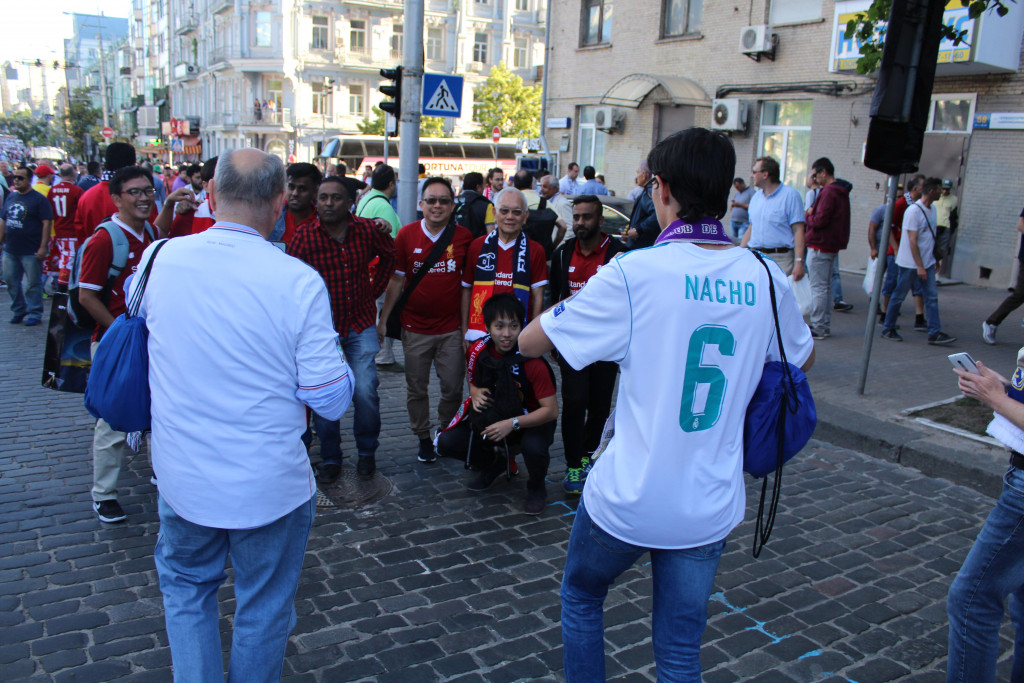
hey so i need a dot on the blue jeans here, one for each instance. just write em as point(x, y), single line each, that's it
point(682, 586)
point(738, 228)
point(30, 301)
point(993, 570)
point(889, 283)
point(266, 562)
point(929, 290)
point(359, 349)
point(837, 283)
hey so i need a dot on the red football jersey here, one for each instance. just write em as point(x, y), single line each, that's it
point(96, 262)
point(64, 198)
point(582, 268)
point(433, 307)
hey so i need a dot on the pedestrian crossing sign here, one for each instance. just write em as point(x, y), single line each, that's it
point(442, 95)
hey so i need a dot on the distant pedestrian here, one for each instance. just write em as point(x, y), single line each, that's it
point(643, 221)
point(25, 227)
point(739, 220)
point(240, 343)
point(1012, 302)
point(827, 233)
point(776, 219)
point(568, 184)
point(590, 184)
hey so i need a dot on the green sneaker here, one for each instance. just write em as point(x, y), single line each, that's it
point(573, 482)
point(587, 465)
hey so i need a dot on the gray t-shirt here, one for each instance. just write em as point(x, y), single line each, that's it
point(743, 197)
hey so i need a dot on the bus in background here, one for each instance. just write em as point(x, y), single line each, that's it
point(450, 158)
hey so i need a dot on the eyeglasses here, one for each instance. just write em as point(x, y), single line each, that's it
point(20, 177)
point(651, 186)
point(137, 192)
point(505, 211)
point(443, 201)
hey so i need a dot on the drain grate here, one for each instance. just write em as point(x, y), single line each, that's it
point(352, 491)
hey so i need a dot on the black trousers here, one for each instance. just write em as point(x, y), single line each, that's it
point(534, 441)
point(1011, 302)
point(586, 402)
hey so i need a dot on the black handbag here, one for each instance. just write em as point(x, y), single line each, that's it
point(394, 324)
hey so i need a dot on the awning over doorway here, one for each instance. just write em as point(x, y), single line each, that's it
point(631, 91)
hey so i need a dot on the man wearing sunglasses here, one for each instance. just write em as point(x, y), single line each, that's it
point(132, 193)
point(430, 320)
point(25, 233)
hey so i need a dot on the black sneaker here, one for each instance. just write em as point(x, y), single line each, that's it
point(820, 334)
point(536, 501)
point(327, 474)
point(17, 319)
point(842, 306)
point(109, 511)
point(941, 339)
point(892, 335)
point(920, 324)
point(483, 479)
point(426, 453)
point(366, 466)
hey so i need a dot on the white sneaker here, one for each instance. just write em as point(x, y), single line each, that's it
point(988, 333)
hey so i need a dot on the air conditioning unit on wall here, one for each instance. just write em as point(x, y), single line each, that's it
point(729, 114)
point(756, 39)
point(609, 119)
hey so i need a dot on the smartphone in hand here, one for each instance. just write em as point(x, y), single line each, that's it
point(963, 361)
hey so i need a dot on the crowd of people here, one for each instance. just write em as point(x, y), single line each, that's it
point(275, 290)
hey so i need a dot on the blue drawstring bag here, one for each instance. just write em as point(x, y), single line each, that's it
point(118, 388)
point(780, 420)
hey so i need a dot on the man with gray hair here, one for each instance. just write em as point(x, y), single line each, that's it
point(504, 260)
point(240, 343)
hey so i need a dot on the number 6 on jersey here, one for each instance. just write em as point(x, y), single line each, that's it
point(700, 410)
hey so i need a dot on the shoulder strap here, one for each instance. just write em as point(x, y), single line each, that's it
point(120, 245)
point(926, 221)
point(140, 289)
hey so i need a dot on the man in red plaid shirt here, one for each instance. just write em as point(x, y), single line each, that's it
point(340, 246)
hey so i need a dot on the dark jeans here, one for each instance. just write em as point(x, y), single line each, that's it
point(535, 442)
point(1011, 302)
point(586, 402)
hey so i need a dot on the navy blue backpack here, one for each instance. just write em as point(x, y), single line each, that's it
point(118, 388)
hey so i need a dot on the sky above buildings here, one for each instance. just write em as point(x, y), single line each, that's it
point(31, 31)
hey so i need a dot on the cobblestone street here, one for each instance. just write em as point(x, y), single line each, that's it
point(434, 582)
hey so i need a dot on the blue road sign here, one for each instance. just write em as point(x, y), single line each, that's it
point(442, 95)
point(177, 145)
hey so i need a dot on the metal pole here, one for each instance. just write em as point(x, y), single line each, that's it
point(385, 140)
point(876, 289)
point(409, 124)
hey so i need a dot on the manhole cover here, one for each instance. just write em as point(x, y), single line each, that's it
point(352, 491)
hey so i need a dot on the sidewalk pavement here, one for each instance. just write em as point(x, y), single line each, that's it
point(907, 375)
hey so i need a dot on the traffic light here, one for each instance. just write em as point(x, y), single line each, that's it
point(393, 107)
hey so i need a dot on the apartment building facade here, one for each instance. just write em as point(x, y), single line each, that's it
point(780, 78)
point(285, 75)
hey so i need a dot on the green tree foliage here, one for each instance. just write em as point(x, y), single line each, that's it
point(81, 118)
point(430, 126)
point(27, 128)
point(503, 100)
point(865, 26)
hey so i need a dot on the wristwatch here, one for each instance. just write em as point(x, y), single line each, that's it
point(515, 424)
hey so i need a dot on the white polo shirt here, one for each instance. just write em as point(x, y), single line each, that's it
point(238, 330)
point(691, 329)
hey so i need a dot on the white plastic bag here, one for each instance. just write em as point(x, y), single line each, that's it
point(802, 290)
point(869, 276)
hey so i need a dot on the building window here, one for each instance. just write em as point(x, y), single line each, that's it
point(356, 97)
point(397, 35)
point(480, 47)
point(275, 93)
point(786, 137)
point(591, 143)
point(319, 41)
point(263, 29)
point(321, 99)
point(435, 44)
point(357, 35)
point(519, 56)
point(793, 11)
point(681, 17)
point(523, 5)
point(951, 113)
point(597, 22)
